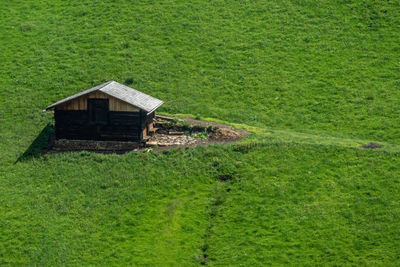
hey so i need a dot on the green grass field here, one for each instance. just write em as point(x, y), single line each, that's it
point(312, 81)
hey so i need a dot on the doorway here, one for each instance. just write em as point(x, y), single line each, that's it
point(98, 111)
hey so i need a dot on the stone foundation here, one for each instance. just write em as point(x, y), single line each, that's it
point(90, 145)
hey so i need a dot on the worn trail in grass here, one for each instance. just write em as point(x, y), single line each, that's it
point(62, 209)
point(269, 135)
point(306, 138)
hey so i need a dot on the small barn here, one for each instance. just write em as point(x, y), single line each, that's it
point(109, 112)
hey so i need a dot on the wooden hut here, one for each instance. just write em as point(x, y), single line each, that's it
point(110, 112)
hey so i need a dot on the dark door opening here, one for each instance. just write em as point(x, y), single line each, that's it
point(98, 111)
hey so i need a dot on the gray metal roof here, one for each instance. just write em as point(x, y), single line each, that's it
point(123, 93)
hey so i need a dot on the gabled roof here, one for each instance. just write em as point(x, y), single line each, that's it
point(121, 92)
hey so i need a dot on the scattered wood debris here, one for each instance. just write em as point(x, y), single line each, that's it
point(173, 132)
point(170, 140)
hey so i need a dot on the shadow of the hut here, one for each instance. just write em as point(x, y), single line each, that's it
point(39, 144)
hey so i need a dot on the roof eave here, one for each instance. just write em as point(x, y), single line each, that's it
point(50, 107)
point(156, 107)
point(69, 98)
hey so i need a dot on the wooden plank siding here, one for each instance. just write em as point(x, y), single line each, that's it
point(121, 126)
point(95, 132)
point(80, 103)
point(122, 121)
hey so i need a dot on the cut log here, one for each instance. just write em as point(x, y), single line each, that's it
point(151, 143)
point(175, 133)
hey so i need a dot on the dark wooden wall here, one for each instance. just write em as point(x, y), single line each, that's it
point(120, 126)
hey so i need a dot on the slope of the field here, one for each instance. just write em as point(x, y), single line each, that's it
point(314, 80)
point(282, 203)
point(309, 205)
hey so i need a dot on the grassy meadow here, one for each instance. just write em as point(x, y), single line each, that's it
point(312, 80)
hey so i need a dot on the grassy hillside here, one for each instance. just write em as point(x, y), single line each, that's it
point(286, 203)
point(312, 80)
point(309, 205)
point(330, 67)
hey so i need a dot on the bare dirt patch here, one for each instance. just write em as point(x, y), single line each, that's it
point(172, 132)
point(371, 146)
point(225, 134)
